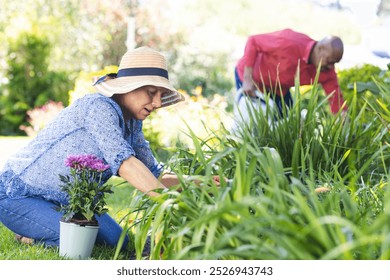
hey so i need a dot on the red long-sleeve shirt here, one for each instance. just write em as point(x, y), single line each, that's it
point(274, 58)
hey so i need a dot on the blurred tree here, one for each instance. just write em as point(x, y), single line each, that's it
point(31, 82)
point(85, 35)
point(202, 39)
point(46, 43)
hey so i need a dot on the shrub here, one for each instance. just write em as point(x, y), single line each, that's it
point(360, 79)
point(31, 83)
point(207, 71)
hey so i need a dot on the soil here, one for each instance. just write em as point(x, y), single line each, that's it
point(79, 219)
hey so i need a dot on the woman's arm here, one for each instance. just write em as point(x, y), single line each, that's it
point(170, 179)
point(139, 176)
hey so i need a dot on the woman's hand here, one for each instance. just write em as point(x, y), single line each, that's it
point(217, 180)
point(170, 180)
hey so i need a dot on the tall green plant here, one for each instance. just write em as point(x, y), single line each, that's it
point(277, 217)
point(269, 208)
point(313, 142)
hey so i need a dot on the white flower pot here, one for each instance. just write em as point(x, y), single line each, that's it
point(77, 241)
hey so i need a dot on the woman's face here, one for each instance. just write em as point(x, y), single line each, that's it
point(139, 103)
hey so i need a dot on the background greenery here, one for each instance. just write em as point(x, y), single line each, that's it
point(46, 45)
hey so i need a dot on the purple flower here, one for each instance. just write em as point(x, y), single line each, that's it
point(90, 162)
point(85, 186)
point(100, 166)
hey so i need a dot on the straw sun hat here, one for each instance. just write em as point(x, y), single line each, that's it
point(139, 67)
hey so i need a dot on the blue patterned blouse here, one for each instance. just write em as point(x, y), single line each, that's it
point(94, 125)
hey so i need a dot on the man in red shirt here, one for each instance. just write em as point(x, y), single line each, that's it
point(270, 62)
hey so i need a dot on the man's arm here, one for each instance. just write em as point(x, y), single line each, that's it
point(330, 84)
point(248, 85)
point(255, 45)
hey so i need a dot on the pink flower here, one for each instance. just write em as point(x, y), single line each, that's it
point(85, 186)
point(90, 162)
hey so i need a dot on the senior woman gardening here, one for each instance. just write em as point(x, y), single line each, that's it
point(107, 124)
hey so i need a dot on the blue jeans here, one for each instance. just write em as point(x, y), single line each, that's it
point(38, 219)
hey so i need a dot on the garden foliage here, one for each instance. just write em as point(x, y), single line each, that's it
point(362, 80)
point(269, 209)
point(30, 81)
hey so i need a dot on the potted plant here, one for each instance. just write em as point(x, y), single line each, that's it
point(86, 198)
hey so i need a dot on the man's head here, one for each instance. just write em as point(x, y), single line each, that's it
point(327, 52)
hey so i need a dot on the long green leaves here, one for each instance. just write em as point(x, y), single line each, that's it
point(269, 209)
